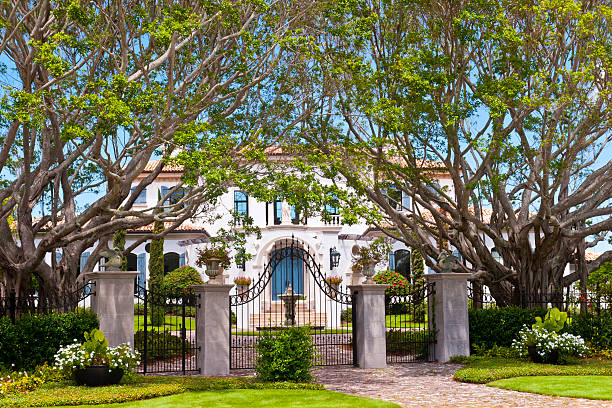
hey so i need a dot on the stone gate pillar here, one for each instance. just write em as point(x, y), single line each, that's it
point(369, 332)
point(213, 326)
point(450, 311)
point(113, 303)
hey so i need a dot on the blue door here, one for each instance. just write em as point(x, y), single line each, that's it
point(287, 270)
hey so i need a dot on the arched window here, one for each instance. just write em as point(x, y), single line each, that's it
point(172, 260)
point(241, 203)
point(132, 262)
point(402, 263)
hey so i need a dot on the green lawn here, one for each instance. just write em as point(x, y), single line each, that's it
point(482, 370)
point(170, 323)
point(259, 399)
point(398, 322)
point(591, 387)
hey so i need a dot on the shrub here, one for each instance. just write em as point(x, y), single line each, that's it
point(160, 345)
point(178, 282)
point(500, 326)
point(399, 285)
point(347, 315)
point(34, 339)
point(594, 329)
point(286, 355)
point(551, 347)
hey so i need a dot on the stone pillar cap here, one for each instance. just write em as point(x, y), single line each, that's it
point(374, 287)
point(212, 288)
point(111, 275)
point(440, 276)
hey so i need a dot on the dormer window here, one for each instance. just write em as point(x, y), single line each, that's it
point(142, 197)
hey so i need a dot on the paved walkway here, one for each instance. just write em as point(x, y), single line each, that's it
point(431, 385)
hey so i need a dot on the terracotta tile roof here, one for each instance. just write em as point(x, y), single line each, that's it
point(168, 168)
point(590, 256)
point(184, 227)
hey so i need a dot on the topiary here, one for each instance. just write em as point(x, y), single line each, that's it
point(179, 281)
point(398, 284)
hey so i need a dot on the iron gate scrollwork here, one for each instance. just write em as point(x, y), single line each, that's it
point(165, 331)
point(292, 291)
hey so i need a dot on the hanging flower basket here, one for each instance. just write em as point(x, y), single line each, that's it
point(242, 286)
point(333, 286)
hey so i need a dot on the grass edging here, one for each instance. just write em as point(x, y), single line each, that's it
point(482, 370)
point(144, 387)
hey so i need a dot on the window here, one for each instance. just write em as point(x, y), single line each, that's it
point(495, 254)
point(393, 197)
point(174, 197)
point(278, 204)
point(142, 197)
point(172, 261)
point(241, 259)
point(402, 263)
point(434, 188)
point(241, 203)
point(405, 201)
point(332, 209)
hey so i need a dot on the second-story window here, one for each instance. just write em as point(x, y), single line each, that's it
point(241, 203)
point(175, 197)
point(142, 197)
point(278, 205)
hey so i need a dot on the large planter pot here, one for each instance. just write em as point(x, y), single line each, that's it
point(97, 375)
point(213, 268)
point(553, 358)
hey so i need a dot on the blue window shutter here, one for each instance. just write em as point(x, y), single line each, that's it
point(142, 270)
point(391, 261)
point(58, 257)
point(405, 201)
point(142, 197)
point(84, 258)
point(182, 259)
point(164, 191)
point(458, 254)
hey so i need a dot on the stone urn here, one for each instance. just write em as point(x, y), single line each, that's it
point(368, 272)
point(213, 269)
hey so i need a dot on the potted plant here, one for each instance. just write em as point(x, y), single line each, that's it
point(94, 363)
point(215, 258)
point(367, 257)
point(333, 285)
point(242, 286)
point(543, 343)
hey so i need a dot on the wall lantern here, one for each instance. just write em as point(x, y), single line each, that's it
point(334, 258)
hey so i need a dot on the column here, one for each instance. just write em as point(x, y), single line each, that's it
point(369, 332)
point(450, 315)
point(113, 303)
point(213, 328)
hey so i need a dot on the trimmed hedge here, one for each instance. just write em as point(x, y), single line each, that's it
point(34, 339)
point(285, 355)
point(593, 328)
point(500, 326)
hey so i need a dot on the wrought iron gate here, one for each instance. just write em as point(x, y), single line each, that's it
point(410, 325)
point(292, 291)
point(165, 332)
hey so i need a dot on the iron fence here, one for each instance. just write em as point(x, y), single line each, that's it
point(79, 299)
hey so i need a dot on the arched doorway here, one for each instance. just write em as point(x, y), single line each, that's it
point(288, 270)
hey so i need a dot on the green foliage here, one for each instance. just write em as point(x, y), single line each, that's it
point(499, 326)
point(398, 284)
point(417, 267)
point(347, 315)
point(179, 281)
point(216, 252)
point(371, 254)
point(156, 275)
point(495, 351)
point(285, 355)
point(600, 280)
point(160, 345)
point(595, 329)
point(482, 370)
point(553, 321)
point(96, 344)
point(34, 339)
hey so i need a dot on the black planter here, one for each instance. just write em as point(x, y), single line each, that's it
point(97, 375)
point(553, 358)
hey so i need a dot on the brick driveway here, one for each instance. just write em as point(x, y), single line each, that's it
point(431, 385)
